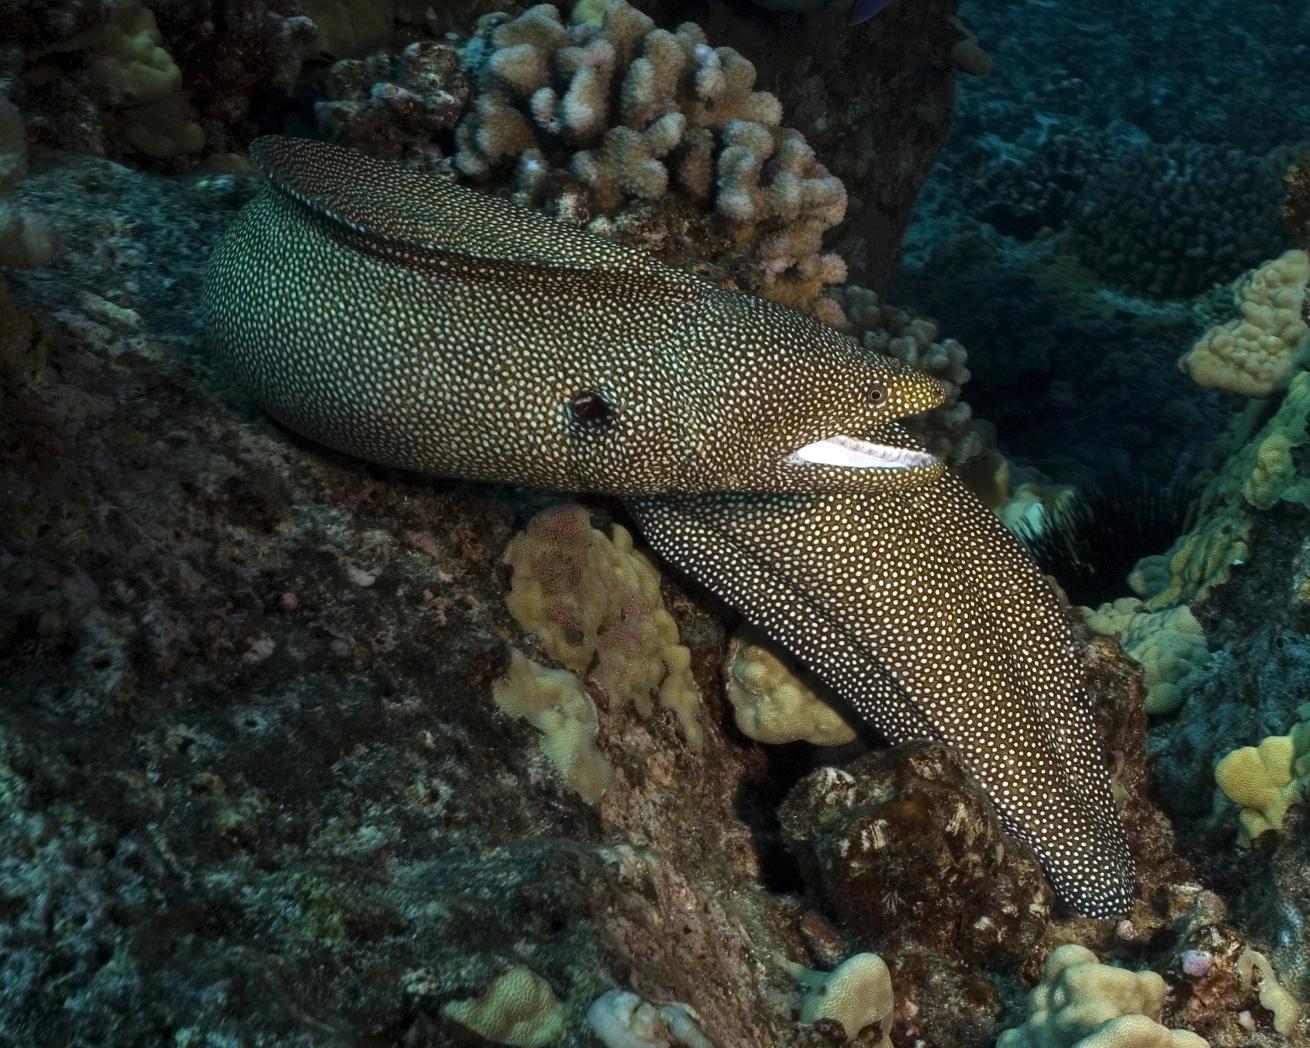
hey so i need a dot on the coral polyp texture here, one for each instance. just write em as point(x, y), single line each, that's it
point(637, 113)
point(1256, 353)
point(518, 1009)
point(857, 995)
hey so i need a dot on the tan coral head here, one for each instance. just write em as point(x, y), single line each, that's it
point(417, 323)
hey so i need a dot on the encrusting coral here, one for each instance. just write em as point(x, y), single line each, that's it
point(1081, 1003)
point(636, 113)
point(1256, 353)
point(594, 605)
point(773, 705)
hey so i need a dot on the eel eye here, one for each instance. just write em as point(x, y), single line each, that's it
point(876, 394)
point(591, 410)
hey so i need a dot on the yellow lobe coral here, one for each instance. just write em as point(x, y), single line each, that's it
point(1257, 352)
point(1169, 646)
point(518, 1009)
point(1267, 779)
point(594, 604)
point(773, 706)
point(554, 703)
point(128, 57)
point(1081, 1003)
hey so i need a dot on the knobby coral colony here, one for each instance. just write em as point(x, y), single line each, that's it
point(614, 373)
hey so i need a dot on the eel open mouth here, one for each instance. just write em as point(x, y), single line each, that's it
point(853, 453)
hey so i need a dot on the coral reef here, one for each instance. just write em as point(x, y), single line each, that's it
point(1256, 353)
point(257, 769)
point(1172, 220)
point(131, 78)
point(393, 105)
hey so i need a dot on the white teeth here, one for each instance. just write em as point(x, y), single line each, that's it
point(860, 454)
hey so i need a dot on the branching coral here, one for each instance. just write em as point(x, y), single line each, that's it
point(636, 113)
point(393, 105)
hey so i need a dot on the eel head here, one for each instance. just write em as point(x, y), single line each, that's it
point(415, 322)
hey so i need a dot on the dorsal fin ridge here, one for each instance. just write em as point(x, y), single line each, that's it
point(422, 214)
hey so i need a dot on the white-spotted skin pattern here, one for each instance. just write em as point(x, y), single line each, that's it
point(931, 621)
point(417, 323)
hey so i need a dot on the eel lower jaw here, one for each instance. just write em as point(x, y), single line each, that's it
point(853, 453)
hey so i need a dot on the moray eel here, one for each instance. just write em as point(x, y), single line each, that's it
point(416, 323)
point(924, 613)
